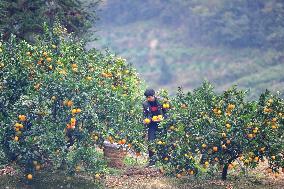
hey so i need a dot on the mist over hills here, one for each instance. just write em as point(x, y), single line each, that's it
point(182, 43)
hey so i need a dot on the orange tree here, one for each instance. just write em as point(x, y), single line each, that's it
point(58, 100)
point(205, 129)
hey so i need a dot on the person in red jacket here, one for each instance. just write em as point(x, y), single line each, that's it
point(153, 114)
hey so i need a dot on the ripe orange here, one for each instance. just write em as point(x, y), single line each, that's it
point(16, 138)
point(97, 176)
point(155, 118)
point(89, 78)
point(147, 121)
point(44, 53)
point(274, 127)
point(74, 66)
point(37, 167)
point(166, 106)
point(160, 142)
point(228, 126)
point(29, 176)
point(48, 59)
point(191, 172)
point(230, 166)
point(123, 141)
point(178, 175)
point(172, 128)
point(74, 111)
point(95, 137)
point(228, 142)
point(273, 157)
point(69, 103)
point(22, 118)
point(215, 148)
point(250, 135)
point(231, 106)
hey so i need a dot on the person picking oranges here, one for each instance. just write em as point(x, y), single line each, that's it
point(153, 114)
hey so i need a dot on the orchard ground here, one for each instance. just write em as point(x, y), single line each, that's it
point(135, 174)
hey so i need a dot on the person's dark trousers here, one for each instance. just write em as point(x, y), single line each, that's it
point(152, 131)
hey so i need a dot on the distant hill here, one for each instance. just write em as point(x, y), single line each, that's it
point(167, 54)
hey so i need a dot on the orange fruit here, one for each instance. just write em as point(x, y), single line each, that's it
point(123, 141)
point(138, 153)
point(147, 121)
point(166, 106)
point(215, 148)
point(228, 142)
point(89, 78)
point(231, 106)
point(29, 176)
point(97, 176)
point(37, 167)
point(22, 118)
point(250, 135)
point(228, 126)
point(16, 138)
point(74, 111)
point(273, 157)
point(48, 59)
point(69, 103)
point(230, 166)
point(178, 175)
point(274, 127)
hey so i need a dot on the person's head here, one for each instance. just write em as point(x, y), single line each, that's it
point(150, 95)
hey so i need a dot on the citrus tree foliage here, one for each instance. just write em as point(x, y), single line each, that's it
point(58, 101)
point(204, 129)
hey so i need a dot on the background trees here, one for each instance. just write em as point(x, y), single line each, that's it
point(25, 18)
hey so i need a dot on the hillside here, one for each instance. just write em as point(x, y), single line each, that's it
point(166, 56)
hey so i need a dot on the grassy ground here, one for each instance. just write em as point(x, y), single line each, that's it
point(136, 175)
